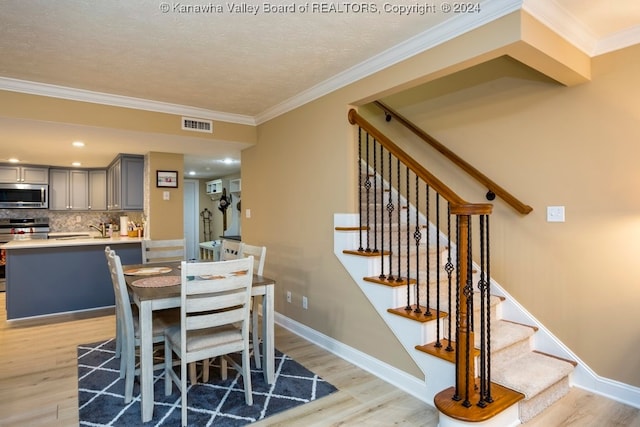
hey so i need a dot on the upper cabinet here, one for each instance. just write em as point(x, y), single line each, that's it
point(79, 190)
point(24, 174)
point(125, 183)
point(235, 186)
point(214, 187)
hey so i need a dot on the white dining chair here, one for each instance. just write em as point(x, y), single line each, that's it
point(230, 249)
point(259, 254)
point(157, 251)
point(214, 321)
point(127, 324)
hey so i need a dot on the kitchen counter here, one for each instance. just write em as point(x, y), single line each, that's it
point(69, 239)
point(66, 273)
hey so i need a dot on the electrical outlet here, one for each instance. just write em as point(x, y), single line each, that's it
point(305, 303)
point(289, 296)
point(555, 213)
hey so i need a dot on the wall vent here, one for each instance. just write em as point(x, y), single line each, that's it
point(197, 125)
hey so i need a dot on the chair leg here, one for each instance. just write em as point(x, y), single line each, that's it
point(168, 365)
point(255, 331)
point(129, 359)
point(193, 375)
point(205, 370)
point(183, 391)
point(246, 377)
point(223, 368)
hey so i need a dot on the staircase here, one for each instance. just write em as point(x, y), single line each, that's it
point(540, 378)
point(523, 380)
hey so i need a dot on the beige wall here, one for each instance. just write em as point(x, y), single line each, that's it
point(549, 144)
point(166, 217)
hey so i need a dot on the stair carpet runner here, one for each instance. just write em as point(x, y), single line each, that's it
point(541, 378)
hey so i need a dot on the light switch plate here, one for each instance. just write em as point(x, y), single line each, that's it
point(555, 213)
point(165, 195)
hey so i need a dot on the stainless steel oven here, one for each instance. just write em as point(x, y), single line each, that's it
point(19, 229)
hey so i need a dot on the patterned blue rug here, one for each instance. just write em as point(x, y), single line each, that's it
point(216, 403)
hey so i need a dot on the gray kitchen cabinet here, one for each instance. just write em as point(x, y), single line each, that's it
point(98, 190)
point(25, 174)
point(69, 189)
point(125, 183)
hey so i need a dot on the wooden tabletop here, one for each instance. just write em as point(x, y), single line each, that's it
point(170, 291)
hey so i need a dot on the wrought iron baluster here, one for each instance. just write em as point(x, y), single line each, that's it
point(375, 197)
point(367, 186)
point(428, 214)
point(417, 236)
point(390, 216)
point(483, 300)
point(449, 268)
point(399, 271)
point(382, 276)
point(488, 398)
point(407, 243)
point(438, 343)
point(360, 248)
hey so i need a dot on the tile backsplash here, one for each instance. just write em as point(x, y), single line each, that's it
point(68, 221)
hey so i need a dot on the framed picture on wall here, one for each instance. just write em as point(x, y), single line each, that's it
point(167, 179)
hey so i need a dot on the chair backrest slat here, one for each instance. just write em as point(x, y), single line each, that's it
point(154, 251)
point(258, 253)
point(230, 249)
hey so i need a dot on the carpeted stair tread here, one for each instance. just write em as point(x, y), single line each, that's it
point(531, 373)
point(504, 334)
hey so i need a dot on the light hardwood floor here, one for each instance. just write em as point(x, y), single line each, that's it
point(38, 384)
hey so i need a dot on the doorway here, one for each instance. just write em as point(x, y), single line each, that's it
point(191, 209)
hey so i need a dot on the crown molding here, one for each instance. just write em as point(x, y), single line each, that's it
point(563, 23)
point(54, 91)
point(619, 40)
point(447, 30)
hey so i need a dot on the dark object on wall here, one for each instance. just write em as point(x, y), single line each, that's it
point(167, 179)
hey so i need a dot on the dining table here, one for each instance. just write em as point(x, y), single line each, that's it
point(159, 297)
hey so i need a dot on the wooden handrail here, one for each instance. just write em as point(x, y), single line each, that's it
point(479, 176)
point(458, 205)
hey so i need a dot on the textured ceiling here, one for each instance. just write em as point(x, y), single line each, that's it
point(226, 61)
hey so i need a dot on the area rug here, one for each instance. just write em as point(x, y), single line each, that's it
point(216, 403)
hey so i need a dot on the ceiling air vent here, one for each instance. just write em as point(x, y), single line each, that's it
point(197, 125)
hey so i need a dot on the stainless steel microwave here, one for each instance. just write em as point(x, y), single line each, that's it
point(23, 196)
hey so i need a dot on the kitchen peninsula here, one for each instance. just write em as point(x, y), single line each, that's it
point(63, 274)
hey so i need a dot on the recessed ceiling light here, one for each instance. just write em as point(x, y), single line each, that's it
point(77, 144)
point(76, 164)
point(14, 160)
point(192, 173)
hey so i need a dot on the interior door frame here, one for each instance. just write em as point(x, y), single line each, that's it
point(191, 215)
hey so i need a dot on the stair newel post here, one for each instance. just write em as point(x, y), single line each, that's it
point(465, 369)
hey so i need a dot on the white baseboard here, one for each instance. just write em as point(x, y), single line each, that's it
point(396, 377)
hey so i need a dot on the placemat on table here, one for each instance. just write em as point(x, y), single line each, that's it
point(157, 282)
point(145, 271)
